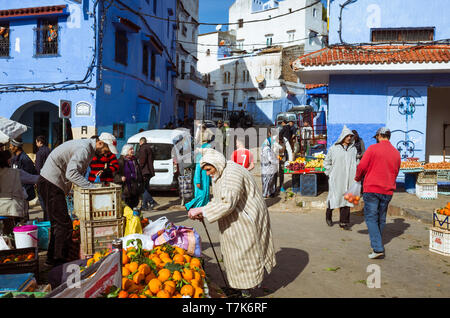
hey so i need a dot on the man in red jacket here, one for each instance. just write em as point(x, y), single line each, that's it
point(379, 167)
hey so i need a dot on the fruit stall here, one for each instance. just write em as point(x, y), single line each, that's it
point(119, 254)
point(307, 174)
point(426, 180)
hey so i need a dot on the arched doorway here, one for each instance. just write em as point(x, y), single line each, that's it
point(42, 118)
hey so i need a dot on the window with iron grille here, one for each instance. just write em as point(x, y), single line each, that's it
point(145, 57)
point(47, 34)
point(121, 47)
point(403, 35)
point(4, 39)
point(241, 23)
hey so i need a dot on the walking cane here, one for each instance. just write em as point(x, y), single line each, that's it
point(210, 242)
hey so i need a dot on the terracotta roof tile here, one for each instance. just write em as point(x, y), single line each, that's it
point(374, 55)
point(8, 13)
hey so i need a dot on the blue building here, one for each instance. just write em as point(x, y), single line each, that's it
point(387, 64)
point(112, 62)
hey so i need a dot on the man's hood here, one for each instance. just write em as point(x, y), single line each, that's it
point(345, 132)
point(213, 158)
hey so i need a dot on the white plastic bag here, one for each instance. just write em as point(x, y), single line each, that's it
point(5, 243)
point(147, 243)
point(353, 194)
point(153, 227)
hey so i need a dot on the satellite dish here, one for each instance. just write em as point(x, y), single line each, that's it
point(218, 27)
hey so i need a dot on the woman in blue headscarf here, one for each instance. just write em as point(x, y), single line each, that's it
point(269, 167)
point(201, 180)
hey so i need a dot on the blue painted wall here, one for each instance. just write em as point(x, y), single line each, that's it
point(361, 101)
point(76, 51)
point(362, 15)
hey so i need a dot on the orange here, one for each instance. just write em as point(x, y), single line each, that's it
point(163, 274)
point(131, 254)
point(198, 292)
point(138, 277)
point(179, 250)
point(123, 294)
point(149, 277)
point(178, 258)
point(133, 266)
point(144, 269)
point(169, 286)
point(125, 259)
point(163, 294)
point(188, 274)
point(131, 248)
point(202, 273)
point(195, 262)
point(142, 296)
point(155, 285)
point(90, 262)
point(187, 258)
point(187, 290)
point(164, 255)
point(126, 283)
point(148, 292)
point(133, 296)
point(133, 288)
point(125, 271)
point(195, 282)
point(176, 276)
point(177, 295)
point(157, 261)
point(97, 256)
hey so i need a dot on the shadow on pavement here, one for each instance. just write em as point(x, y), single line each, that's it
point(290, 264)
point(391, 230)
point(174, 217)
point(272, 201)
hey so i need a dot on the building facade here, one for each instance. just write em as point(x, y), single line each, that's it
point(190, 87)
point(114, 65)
point(248, 66)
point(389, 67)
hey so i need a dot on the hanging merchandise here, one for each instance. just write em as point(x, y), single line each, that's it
point(133, 224)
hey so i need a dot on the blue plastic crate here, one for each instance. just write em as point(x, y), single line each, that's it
point(308, 185)
point(296, 183)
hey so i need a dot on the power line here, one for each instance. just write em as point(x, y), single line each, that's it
point(234, 23)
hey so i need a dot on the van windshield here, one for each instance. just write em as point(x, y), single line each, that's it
point(162, 151)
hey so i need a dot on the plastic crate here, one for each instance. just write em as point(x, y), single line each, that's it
point(31, 266)
point(441, 221)
point(440, 241)
point(427, 177)
point(427, 191)
point(308, 185)
point(99, 235)
point(100, 203)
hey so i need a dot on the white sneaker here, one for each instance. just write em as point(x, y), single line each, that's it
point(374, 255)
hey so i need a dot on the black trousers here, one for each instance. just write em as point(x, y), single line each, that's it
point(281, 174)
point(344, 214)
point(61, 228)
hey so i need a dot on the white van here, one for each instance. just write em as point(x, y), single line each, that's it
point(172, 153)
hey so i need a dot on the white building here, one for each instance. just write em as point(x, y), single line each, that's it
point(189, 85)
point(248, 70)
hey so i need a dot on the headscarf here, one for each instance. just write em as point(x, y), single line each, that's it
point(214, 158)
point(125, 150)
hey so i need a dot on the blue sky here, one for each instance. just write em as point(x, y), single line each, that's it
point(214, 11)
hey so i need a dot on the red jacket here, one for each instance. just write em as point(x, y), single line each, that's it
point(379, 166)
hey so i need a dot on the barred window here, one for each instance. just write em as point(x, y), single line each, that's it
point(145, 58)
point(4, 39)
point(119, 131)
point(403, 35)
point(47, 34)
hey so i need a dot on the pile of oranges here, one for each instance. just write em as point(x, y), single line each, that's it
point(445, 211)
point(352, 198)
point(15, 258)
point(164, 272)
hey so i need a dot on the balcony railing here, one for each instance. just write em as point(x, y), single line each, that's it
point(47, 39)
point(193, 77)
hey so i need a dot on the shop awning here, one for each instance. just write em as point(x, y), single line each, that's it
point(34, 12)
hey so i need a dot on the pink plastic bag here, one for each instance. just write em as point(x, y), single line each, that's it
point(184, 237)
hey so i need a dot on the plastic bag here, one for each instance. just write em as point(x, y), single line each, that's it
point(133, 225)
point(184, 237)
point(147, 242)
point(353, 194)
point(154, 227)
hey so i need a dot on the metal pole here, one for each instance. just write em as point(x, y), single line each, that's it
point(214, 251)
point(63, 130)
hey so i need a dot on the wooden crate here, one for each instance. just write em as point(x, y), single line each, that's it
point(99, 235)
point(98, 204)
